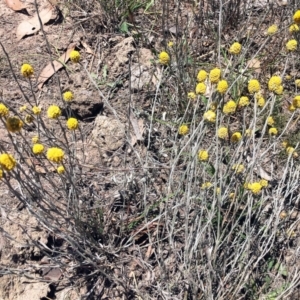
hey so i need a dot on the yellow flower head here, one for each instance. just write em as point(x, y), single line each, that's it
point(53, 112)
point(264, 183)
point(183, 129)
point(235, 48)
point(202, 75)
point(238, 168)
point(272, 29)
point(270, 121)
point(27, 70)
point(284, 144)
point(274, 83)
point(68, 96)
point(3, 110)
point(74, 56)
point(236, 137)
point(273, 131)
point(223, 133)
point(210, 116)
point(72, 123)
point(203, 155)
point(229, 107)
point(206, 185)
point(7, 162)
point(222, 86)
point(260, 100)
point(36, 110)
point(290, 150)
point(255, 188)
point(296, 101)
point(192, 96)
point(29, 119)
point(164, 58)
point(288, 77)
point(55, 154)
point(293, 28)
point(292, 108)
point(244, 101)
point(60, 170)
point(291, 45)
point(296, 17)
point(38, 149)
point(213, 106)
point(297, 83)
point(200, 88)
point(23, 108)
point(253, 86)
point(170, 44)
point(35, 140)
point(248, 132)
point(14, 124)
point(215, 75)
point(278, 90)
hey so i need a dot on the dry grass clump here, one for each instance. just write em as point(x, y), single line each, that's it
point(209, 202)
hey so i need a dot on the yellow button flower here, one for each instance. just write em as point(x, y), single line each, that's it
point(203, 155)
point(264, 183)
point(164, 58)
point(296, 101)
point(244, 101)
point(253, 86)
point(170, 44)
point(36, 110)
point(238, 168)
point(192, 96)
point(38, 149)
point(291, 45)
point(270, 121)
point(23, 108)
point(297, 83)
point(55, 154)
point(72, 123)
point(200, 88)
point(272, 29)
point(296, 17)
point(229, 107)
point(68, 96)
point(60, 170)
point(274, 83)
point(255, 188)
point(235, 48)
point(27, 70)
point(222, 86)
point(3, 110)
point(183, 129)
point(74, 56)
point(223, 133)
point(35, 140)
point(215, 75)
point(7, 161)
point(14, 124)
point(202, 75)
point(53, 112)
point(278, 90)
point(236, 137)
point(273, 131)
point(206, 185)
point(210, 116)
point(293, 28)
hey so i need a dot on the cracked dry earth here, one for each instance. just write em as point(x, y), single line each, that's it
point(103, 129)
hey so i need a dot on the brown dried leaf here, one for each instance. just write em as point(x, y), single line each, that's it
point(87, 48)
point(52, 274)
point(15, 5)
point(48, 71)
point(32, 25)
point(254, 64)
